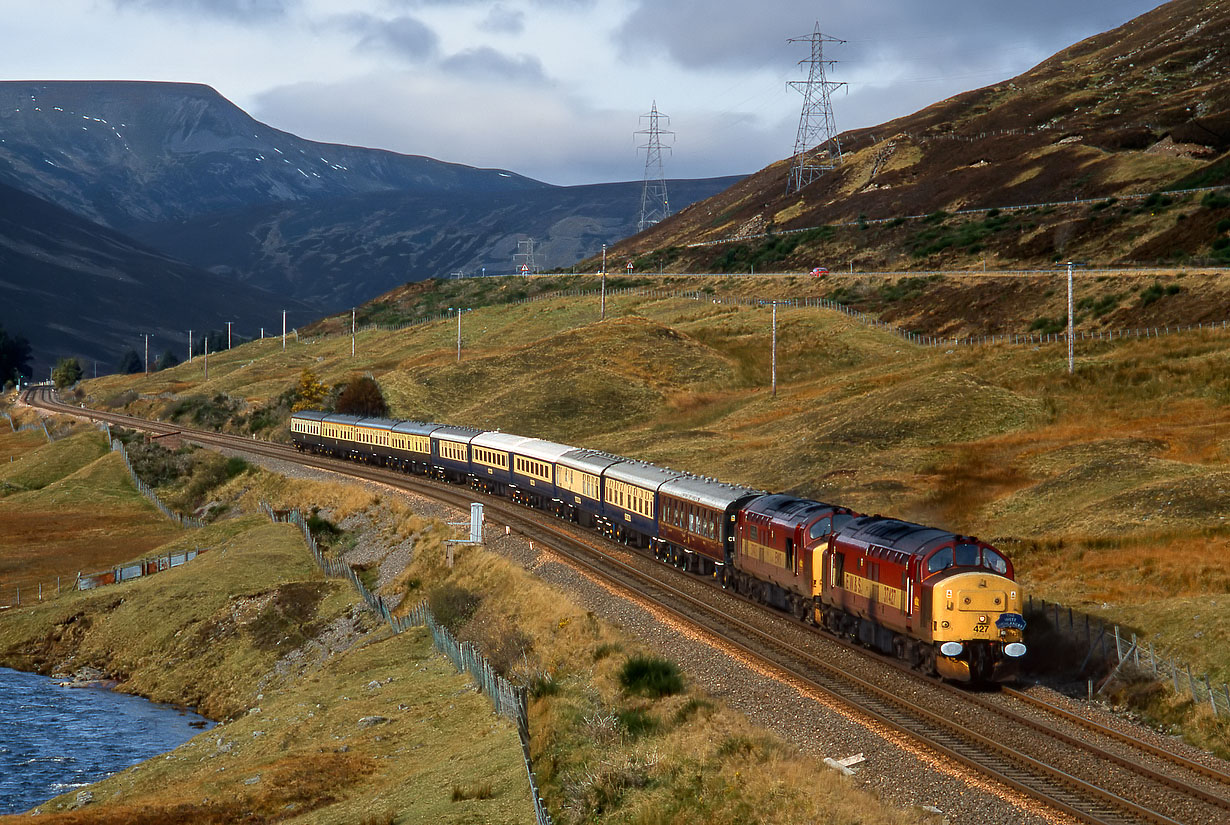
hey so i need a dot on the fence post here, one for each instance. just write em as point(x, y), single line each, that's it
point(1209, 687)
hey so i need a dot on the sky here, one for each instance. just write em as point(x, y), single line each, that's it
point(552, 89)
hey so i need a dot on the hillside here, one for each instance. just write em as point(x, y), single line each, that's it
point(76, 288)
point(186, 172)
point(1135, 111)
point(1124, 460)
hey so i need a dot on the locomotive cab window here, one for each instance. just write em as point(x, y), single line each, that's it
point(967, 555)
point(994, 561)
point(821, 528)
point(940, 560)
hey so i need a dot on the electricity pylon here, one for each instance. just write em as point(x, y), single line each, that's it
point(655, 205)
point(816, 148)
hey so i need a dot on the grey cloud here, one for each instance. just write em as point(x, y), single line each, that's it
point(939, 34)
point(404, 36)
point(488, 63)
point(233, 9)
point(504, 20)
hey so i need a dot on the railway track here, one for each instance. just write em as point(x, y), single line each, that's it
point(1072, 765)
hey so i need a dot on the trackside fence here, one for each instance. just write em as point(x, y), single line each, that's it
point(507, 699)
point(148, 492)
point(16, 593)
point(1115, 650)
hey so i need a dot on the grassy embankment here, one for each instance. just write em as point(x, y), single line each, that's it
point(1110, 487)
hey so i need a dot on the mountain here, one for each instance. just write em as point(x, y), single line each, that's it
point(1112, 120)
point(183, 170)
point(76, 288)
point(340, 252)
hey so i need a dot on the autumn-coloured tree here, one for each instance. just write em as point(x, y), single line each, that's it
point(362, 396)
point(310, 394)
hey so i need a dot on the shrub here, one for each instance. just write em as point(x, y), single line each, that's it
point(651, 677)
point(1151, 293)
point(479, 790)
point(1215, 200)
point(452, 605)
point(638, 722)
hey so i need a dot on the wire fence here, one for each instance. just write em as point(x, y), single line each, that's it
point(14, 593)
point(1109, 650)
point(507, 699)
point(148, 492)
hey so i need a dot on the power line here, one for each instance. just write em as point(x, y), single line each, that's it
point(816, 147)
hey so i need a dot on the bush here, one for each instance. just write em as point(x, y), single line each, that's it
point(1215, 200)
point(1151, 293)
point(651, 677)
point(452, 605)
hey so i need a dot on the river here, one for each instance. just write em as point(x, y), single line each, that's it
point(54, 739)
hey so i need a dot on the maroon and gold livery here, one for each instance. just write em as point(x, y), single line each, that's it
point(945, 603)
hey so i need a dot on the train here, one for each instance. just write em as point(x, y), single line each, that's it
point(947, 604)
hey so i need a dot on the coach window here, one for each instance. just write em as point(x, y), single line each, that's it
point(941, 560)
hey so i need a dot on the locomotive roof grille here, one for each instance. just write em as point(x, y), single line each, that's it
point(895, 534)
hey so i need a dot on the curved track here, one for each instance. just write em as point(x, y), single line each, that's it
point(1071, 764)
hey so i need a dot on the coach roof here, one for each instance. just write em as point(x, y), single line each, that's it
point(642, 474)
point(707, 491)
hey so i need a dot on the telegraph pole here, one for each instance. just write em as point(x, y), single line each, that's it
point(603, 318)
point(147, 353)
point(228, 334)
point(207, 356)
point(189, 346)
point(655, 205)
point(816, 148)
point(775, 349)
point(352, 332)
point(1070, 322)
point(459, 310)
point(284, 330)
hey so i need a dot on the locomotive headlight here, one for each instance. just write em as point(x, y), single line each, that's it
point(954, 648)
point(982, 620)
point(1015, 650)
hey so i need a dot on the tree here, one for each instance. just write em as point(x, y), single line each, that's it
point(310, 394)
point(362, 396)
point(67, 372)
point(14, 356)
point(166, 361)
point(130, 363)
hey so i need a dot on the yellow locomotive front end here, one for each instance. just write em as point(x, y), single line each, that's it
point(977, 626)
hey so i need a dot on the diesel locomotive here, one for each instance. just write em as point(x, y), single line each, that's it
point(945, 603)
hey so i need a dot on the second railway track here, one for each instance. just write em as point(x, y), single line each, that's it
point(1070, 764)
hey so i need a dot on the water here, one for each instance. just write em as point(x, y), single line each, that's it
point(54, 739)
